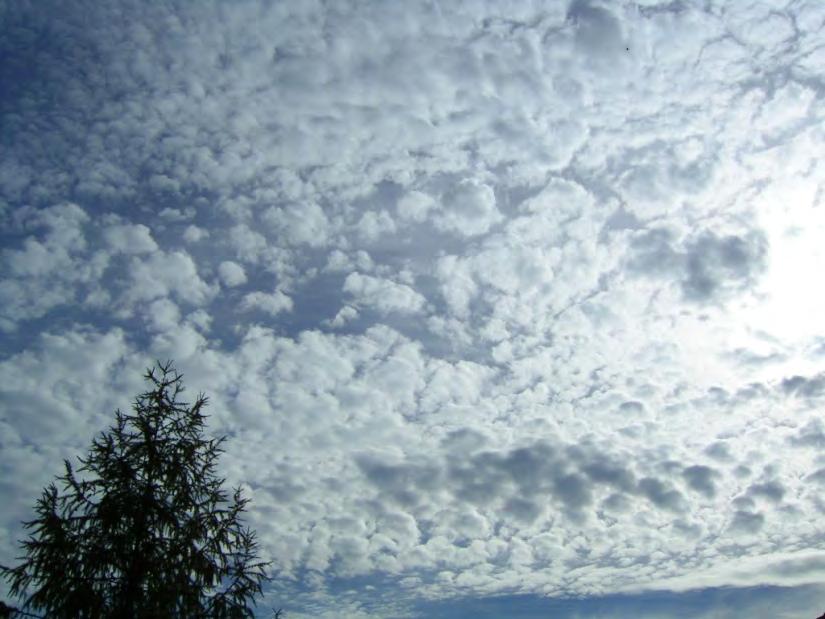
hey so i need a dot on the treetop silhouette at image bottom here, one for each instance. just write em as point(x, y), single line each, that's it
point(143, 528)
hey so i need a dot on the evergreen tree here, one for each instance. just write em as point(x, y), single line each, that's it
point(143, 528)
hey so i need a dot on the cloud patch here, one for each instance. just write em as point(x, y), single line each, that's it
point(383, 295)
point(272, 303)
point(707, 268)
point(469, 209)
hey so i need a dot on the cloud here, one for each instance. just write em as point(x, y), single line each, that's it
point(130, 239)
point(469, 209)
point(164, 315)
point(771, 490)
point(701, 479)
point(811, 434)
point(597, 30)
point(162, 274)
point(271, 303)
point(715, 263)
point(344, 315)
point(193, 234)
point(521, 480)
point(661, 495)
point(817, 476)
point(298, 224)
point(804, 387)
point(231, 273)
point(488, 298)
point(709, 267)
point(415, 205)
point(52, 268)
point(782, 569)
point(382, 294)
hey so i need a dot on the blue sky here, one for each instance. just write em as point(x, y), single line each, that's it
point(505, 307)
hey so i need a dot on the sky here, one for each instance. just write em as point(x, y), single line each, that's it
point(506, 308)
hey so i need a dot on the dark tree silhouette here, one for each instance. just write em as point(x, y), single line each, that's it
point(143, 528)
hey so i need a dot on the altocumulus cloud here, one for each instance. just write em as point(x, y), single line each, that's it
point(490, 299)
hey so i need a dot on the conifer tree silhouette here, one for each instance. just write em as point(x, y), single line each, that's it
point(143, 528)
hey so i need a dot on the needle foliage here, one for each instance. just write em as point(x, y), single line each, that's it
point(143, 527)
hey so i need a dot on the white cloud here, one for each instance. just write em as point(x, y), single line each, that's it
point(162, 274)
point(193, 234)
point(458, 285)
point(344, 315)
point(469, 209)
point(231, 273)
point(64, 236)
point(383, 295)
point(53, 268)
point(298, 224)
point(249, 245)
point(272, 303)
point(338, 261)
point(375, 224)
point(163, 315)
point(130, 239)
point(415, 205)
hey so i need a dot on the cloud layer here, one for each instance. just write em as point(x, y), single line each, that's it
point(489, 298)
